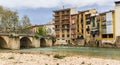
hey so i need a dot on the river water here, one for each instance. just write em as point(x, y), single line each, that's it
point(109, 53)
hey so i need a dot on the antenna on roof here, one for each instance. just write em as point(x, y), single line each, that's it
point(62, 5)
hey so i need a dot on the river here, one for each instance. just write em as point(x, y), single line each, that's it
point(109, 53)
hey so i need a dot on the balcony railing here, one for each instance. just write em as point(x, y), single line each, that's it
point(65, 28)
point(66, 14)
point(65, 22)
point(55, 15)
point(57, 23)
point(65, 18)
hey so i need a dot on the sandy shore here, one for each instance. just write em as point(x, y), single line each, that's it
point(48, 59)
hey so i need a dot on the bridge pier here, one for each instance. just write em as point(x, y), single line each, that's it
point(14, 43)
point(48, 42)
point(36, 43)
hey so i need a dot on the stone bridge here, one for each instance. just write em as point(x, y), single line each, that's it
point(22, 41)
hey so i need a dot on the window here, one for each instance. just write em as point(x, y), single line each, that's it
point(104, 17)
point(57, 26)
point(82, 30)
point(67, 31)
point(104, 36)
point(88, 28)
point(88, 32)
point(72, 36)
point(73, 21)
point(110, 35)
point(67, 35)
point(63, 35)
point(87, 21)
point(57, 35)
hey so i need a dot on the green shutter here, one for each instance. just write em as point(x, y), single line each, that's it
point(93, 24)
point(98, 25)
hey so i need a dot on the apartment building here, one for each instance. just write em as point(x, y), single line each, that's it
point(117, 23)
point(65, 25)
point(117, 18)
point(84, 24)
point(107, 27)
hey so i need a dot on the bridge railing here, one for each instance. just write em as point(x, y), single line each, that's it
point(7, 34)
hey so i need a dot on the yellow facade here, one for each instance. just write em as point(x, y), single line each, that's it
point(107, 28)
point(85, 23)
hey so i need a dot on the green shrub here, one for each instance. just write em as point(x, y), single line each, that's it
point(11, 58)
point(46, 64)
point(90, 64)
point(48, 54)
point(83, 62)
point(36, 36)
point(59, 56)
point(57, 63)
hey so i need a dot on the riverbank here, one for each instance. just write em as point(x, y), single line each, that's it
point(50, 59)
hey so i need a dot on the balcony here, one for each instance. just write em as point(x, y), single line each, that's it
point(65, 22)
point(57, 29)
point(73, 28)
point(55, 15)
point(66, 28)
point(66, 14)
point(65, 18)
point(57, 23)
point(56, 19)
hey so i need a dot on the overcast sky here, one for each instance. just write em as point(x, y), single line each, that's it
point(40, 11)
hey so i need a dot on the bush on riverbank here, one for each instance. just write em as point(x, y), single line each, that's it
point(59, 56)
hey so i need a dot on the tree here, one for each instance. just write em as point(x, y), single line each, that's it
point(41, 31)
point(25, 21)
point(8, 20)
point(24, 24)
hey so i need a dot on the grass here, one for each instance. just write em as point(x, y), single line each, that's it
point(59, 56)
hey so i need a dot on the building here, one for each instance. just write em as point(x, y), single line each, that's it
point(49, 27)
point(117, 18)
point(107, 28)
point(84, 24)
point(117, 22)
point(65, 25)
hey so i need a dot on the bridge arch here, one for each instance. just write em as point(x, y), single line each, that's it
point(25, 42)
point(3, 43)
point(42, 42)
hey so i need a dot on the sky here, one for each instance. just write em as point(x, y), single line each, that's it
point(41, 11)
